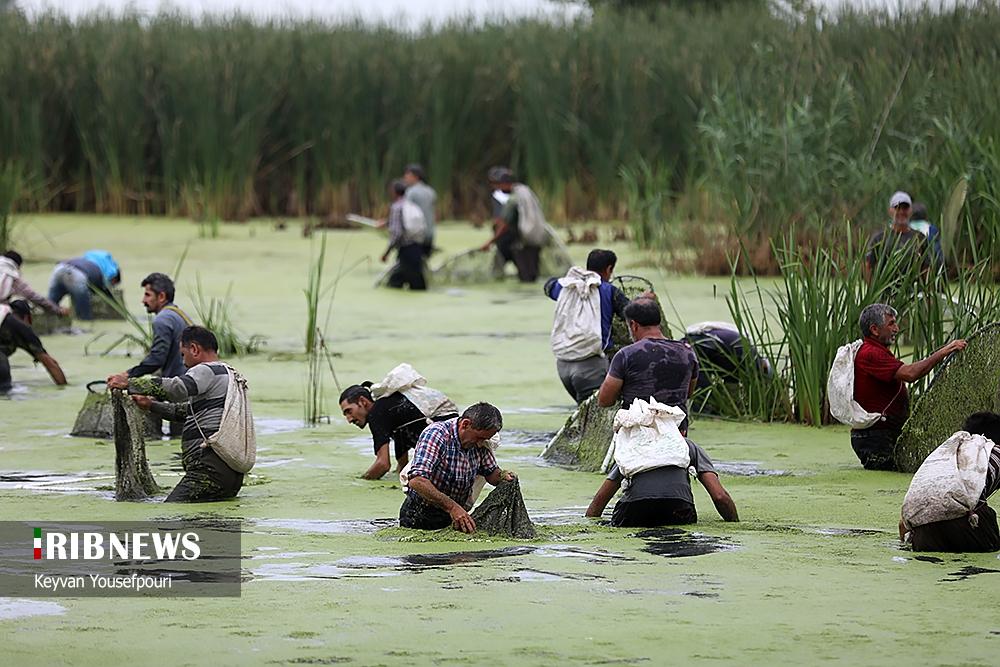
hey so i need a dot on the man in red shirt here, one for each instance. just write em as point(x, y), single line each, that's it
point(879, 387)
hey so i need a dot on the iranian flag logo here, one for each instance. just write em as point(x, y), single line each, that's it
point(38, 544)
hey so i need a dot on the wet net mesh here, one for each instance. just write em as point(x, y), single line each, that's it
point(45, 323)
point(503, 513)
point(102, 310)
point(96, 417)
point(133, 479)
point(475, 266)
point(584, 439)
point(969, 381)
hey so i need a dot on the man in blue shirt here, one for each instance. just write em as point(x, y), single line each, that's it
point(94, 270)
point(582, 377)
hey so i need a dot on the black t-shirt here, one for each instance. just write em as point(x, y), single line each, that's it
point(16, 334)
point(395, 417)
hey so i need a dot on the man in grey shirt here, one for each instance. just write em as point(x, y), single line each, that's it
point(423, 195)
point(198, 398)
point(169, 321)
point(662, 496)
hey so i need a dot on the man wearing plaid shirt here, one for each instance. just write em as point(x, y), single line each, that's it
point(448, 457)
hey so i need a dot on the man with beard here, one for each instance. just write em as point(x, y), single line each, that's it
point(168, 324)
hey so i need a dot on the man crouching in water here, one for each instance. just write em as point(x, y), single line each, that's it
point(447, 458)
point(198, 398)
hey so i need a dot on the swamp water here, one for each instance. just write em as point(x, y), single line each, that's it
point(813, 573)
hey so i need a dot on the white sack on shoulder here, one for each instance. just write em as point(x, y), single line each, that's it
point(949, 482)
point(576, 326)
point(840, 390)
point(647, 436)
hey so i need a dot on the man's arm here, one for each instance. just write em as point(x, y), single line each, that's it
point(603, 496)
point(158, 351)
point(381, 465)
point(618, 301)
point(918, 369)
point(610, 391)
point(552, 288)
point(720, 497)
point(52, 366)
point(460, 519)
point(19, 286)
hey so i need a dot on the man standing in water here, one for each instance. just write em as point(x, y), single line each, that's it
point(407, 235)
point(16, 333)
point(879, 385)
point(197, 399)
point(653, 366)
point(520, 225)
point(583, 375)
point(899, 237)
point(448, 457)
point(423, 195)
point(169, 321)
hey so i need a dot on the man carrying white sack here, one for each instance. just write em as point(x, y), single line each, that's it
point(945, 507)
point(652, 458)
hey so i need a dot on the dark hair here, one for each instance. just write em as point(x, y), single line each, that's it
point(14, 255)
point(500, 175)
point(874, 315)
point(984, 423)
point(356, 391)
point(398, 187)
point(599, 260)
point(643, 311)
point(200, 335)
point(484, 417)
point(918, 211)
point(21, 308)
point(159, 283)
point(415, 169)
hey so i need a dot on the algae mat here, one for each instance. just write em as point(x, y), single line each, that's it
point(812, 574)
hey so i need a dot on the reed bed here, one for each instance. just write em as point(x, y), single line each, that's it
point(741, 121)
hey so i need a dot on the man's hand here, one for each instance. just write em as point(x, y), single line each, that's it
point(118, 381)
point(486, 246)
point(144, 402)
point(461, 520)
point(385, 258)
point(508, 476)
point(64, 312)
point(954, 346)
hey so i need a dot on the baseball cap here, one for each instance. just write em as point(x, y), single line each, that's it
point(898, 198)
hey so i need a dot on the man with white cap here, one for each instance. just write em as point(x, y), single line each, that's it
point(899, 237)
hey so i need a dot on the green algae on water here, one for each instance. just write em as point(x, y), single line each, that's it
point(967, 382)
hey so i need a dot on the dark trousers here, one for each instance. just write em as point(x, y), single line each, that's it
point(5, 379)
point(409, 269)
point(527, 259)
point(874, 447)
point(653, 512)
point(206, 478)
point(959, 535)
point(416, 513)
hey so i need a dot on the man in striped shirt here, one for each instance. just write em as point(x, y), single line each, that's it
point(978, 531)
point(197, 398)
point(448, 457)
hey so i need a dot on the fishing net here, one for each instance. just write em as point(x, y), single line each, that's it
point(102, 310)
point(96, 417)
point(45, 323)
point(133, 480)
point(503, 513)
point(584, 439)
point(476, 266)
point(967, 382)
point(632, 286)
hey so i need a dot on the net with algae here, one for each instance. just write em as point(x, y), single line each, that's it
point(967, 382)
point(133, 479)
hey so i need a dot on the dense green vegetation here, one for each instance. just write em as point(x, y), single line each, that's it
point(744, 121)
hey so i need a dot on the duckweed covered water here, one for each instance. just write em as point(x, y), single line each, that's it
point(814, 573)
